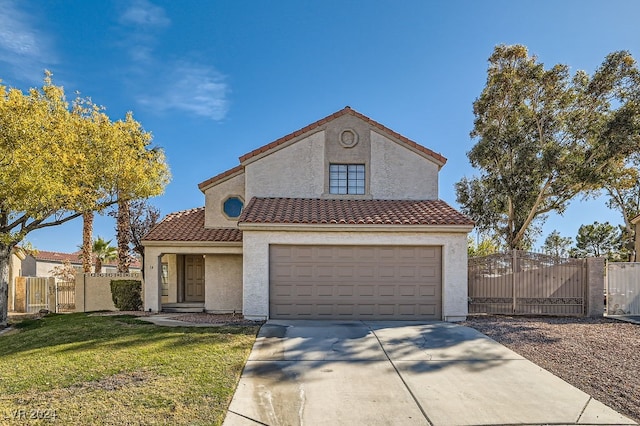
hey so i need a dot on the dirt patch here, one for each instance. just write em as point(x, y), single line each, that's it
point(597, 355)
point(115, 382)
point(115, 313)
point(204, 318)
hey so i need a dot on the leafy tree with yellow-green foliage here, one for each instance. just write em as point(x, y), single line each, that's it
point(58, 162)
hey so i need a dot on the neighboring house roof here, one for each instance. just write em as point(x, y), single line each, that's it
point(438, 158)
point(352, 212)
point(54, 256)
point(73, 258)
point(188, 225)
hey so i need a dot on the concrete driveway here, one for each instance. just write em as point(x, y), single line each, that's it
point(399, 373)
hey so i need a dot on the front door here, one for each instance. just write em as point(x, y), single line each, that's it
point(194, 278)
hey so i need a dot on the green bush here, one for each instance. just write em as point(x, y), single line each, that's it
point(127, 294)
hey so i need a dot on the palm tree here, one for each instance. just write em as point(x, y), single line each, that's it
point(103, 252)
point(85, 248)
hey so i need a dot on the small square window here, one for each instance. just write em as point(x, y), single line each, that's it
point(346, 179)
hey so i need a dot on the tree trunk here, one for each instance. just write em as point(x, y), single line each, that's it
point(98, 267)
point(5, 258)
point(87, 241)
point(123, 237)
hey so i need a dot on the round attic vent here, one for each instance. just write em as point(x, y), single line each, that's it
point(348, 138)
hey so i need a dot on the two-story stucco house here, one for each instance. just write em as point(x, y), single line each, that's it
point(338, 220)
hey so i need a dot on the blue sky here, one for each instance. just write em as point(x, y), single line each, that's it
point(213, 80)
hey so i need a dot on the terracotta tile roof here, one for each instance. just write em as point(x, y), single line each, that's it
point(54, 256)
point(73, 258)
point(220, 176)
point(352, 212)
point(188, 225)
point(346, 110)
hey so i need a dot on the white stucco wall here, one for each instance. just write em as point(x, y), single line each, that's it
point(216, 195)
point(398, 173)
point(256, 262)
point(296, 171)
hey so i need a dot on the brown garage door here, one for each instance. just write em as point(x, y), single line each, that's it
point(355, 282)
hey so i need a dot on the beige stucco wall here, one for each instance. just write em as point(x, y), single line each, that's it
point(223, 283)
point(296, 171)
point(153, 259)
point(14, 271)
point(398, 173)
point(93, 291)
point(256, 262)
point(215, 196)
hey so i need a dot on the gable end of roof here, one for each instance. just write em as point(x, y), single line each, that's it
point(436, 157)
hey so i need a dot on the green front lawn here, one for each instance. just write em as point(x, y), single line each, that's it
point(80, 369)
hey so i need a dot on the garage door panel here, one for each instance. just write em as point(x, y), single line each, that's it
point(323, 271)
point(304, 290)
point(324, 290)
point(351, 282)
point(365, 272)
point(283, 290)
point(428, 291)
point(345, 271)
point(386, 272)
point(364, 290)
point(407, 309)
point(408, 290)
point(345, 290)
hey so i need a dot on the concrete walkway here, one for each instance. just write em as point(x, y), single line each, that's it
point(399, 373)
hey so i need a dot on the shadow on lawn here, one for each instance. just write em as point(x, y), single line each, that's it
point(81, 332)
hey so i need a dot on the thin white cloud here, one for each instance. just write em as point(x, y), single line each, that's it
point(141, 22)
point(144, 13)
point(24, 48)
point(191, 88)
point(188, 87)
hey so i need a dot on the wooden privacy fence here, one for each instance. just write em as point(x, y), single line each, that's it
point(519, 282)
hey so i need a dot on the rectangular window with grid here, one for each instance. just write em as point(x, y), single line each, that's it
point(346, 179)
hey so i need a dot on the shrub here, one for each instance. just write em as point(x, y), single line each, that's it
point(126, 294)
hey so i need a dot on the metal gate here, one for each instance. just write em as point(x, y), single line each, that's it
point(623, 288)
point(32, 294)
point(37, 294)
point(519, 282)
point(65, 296)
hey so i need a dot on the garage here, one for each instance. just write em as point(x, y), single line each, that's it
point(355, 282)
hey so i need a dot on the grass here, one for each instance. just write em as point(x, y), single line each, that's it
point(115, 370)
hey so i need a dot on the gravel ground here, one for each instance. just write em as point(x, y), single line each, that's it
point(597, 355)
